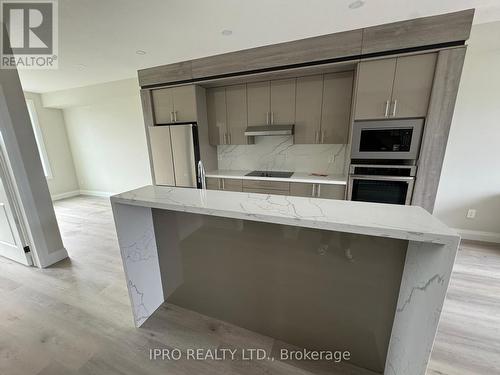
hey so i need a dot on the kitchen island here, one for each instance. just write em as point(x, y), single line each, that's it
point(319, 274)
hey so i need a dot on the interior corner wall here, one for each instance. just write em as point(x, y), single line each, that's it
point(63, 181)
point(470, 177)
point(106, 134)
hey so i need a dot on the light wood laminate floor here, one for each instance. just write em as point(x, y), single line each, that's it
point(75, 318)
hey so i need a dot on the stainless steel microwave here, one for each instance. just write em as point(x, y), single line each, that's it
point(387, 139)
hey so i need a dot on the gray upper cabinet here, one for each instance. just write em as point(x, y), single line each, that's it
point(259, 103)
point(176, 104)
point(216, 112)
point(395, 88)
point(271, 102)
point(308, 109)
point(336, 108)
point(184, 103)
point(375, 81)
point(282, 101)
point(227, 115)
point(236, 107)
point(323, 108)
point(412, 85)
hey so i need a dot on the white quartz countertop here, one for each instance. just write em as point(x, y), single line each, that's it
point(333, 179)
point(393, 221)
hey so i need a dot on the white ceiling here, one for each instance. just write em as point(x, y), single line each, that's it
point(103, 35)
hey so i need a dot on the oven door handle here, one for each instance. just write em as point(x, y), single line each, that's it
point(382, 178)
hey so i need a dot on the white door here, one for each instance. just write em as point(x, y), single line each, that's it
point(11, 235)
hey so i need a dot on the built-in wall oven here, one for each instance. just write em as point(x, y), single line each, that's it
point(387, 139)
point(381, 183)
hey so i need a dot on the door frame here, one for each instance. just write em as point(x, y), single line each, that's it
point(6, 176)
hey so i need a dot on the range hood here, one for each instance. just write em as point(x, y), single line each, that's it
point(269, 130)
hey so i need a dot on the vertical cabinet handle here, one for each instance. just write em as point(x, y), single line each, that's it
point(322, 136)
point(223, 185)
point(316, 136)
point(175, 116)
point(267, 118)
point(314, 191)
point(272, 118)
point(172, 116)
point(229, 138)
point(386, 108)
point(394, 108)
point(318, 191)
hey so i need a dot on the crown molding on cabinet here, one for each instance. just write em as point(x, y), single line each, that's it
point(420, 33)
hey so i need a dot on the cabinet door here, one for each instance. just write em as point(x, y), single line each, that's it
point(336, 113)
point(216, 113)
point(308, 109)
point(213, 183)
point(328, 191)
point(300, 189)
point(163, 106)
point(236, 104)
point(232, 184)
point(267, 185)
point(413, 85)
point(374, 90)
point(266, 191)
point(259, 101)
point(161, 154)
point(283, 101)
point(184, 98)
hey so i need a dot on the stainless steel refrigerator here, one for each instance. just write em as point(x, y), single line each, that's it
point(175, 155)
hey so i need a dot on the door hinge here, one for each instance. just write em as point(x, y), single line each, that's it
point(26, 249)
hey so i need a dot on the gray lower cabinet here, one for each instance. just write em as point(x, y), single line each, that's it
point(176, 104)
point(298, 189)
point(329, 191)
point(266, 187)
point(325, 191)
point(226, 184)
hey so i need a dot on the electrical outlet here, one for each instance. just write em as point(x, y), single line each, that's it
point(471, 214)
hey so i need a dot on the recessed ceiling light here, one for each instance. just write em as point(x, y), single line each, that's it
point(356, 4)
point(140, 52)
point(227, 32)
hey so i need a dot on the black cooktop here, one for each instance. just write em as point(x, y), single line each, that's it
point(270, 174)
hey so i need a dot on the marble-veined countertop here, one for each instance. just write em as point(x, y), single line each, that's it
point(384, 220)
point(333, 179)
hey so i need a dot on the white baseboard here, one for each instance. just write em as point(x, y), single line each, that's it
point(54, 257)
point(96, 193)
point(477, 235)
point(68, 194)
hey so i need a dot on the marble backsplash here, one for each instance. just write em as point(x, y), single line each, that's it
point(280, 154)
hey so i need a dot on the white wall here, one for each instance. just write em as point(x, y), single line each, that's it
point(106, 134)
point(55, 138)
point(471, 170)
